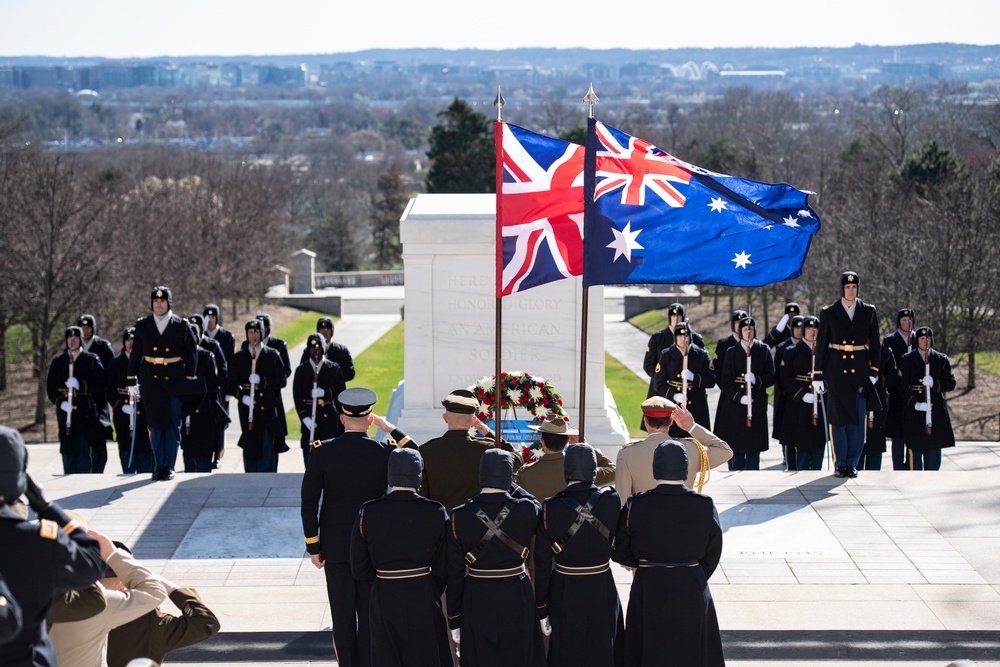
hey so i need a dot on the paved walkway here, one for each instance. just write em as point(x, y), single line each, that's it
point(892, 566)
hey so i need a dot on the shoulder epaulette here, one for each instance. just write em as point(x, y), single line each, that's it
point(48, 529)
point(824, 307)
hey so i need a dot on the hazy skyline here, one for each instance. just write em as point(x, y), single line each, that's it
point(116, 29)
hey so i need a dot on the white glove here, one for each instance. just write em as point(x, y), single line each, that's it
point(687, 375)
point(819, 386)
point(546, 626)
point(928, 381)
point(73, 383)
point(246, 401)
point(874, 379)
point(751, 378)
point(456, 635)
point(809, 398)
point(133, 390)
point(308, 423)
point(744, 400)
point(922, 407)
point(65, 406)
point(680, 398)
point(127, 409)
point(254, 378)
point(782, 322)
point(318, 392)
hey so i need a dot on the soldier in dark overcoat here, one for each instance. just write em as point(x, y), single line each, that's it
point(747, 440)
point(134, 451)
point(575, 590)
point(317, 380)
point(227, 341)
point(94, 344)
point(398, 544)
point(161, 365)
point(201, 420)
point(777, 415)
point(847, 362)
point(723, 344)
point(671, 378)
point(38, 558)
point(491, 608)
point(257, 371)
point(671, 538)
point(805, 438)
point(334, 351)
point(344, 473)
point(781, 331)
point(75, 379)
point(923, 372)
point(875, 429)
point(901, 342)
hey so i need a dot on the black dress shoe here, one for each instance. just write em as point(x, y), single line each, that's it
point(852, 473)
point(156, 474)
point(216, 464)
point(840, 472)
point(168, 473)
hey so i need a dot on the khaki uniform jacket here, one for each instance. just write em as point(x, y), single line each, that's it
point(83, 643)
point(634, 471)
point(155, 634)
point(545, 478)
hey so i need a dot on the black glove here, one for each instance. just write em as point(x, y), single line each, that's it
point(36, 498)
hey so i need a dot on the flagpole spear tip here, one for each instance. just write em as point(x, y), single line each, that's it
point(591, 98)
point(499, 103)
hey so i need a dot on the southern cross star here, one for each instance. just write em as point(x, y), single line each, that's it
point(624, 242)
point(791, 221)
point(742, 259)
point(718, 204)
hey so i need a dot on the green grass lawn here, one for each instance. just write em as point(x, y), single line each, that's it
point(989, 362)
point(298, 330)
point(629, 391)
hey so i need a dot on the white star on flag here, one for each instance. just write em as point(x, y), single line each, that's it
point(718, 204)
point(805, 214)
point(624, 242)
point(790, 221)
point(742, 259)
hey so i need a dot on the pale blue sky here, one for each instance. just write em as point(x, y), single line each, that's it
point(117, 29)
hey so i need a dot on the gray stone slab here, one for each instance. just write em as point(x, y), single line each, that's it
point(771, 530)
point(226, 533)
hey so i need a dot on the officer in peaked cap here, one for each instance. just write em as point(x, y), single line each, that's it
point(37, 559)
point(344, 472)
point(451, 462)
point(847, 367)
point(315, 387)
point(635, 460)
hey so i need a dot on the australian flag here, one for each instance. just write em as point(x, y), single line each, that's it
point(539, 209)
point(652, 218)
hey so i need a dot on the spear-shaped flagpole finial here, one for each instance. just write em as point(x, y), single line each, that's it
point(591, 98)
point(499, 103)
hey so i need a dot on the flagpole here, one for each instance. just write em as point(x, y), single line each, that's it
point(589, 99)
point(498, 102)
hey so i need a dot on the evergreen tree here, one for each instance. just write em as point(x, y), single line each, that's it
point(390, 200)
point(461, 152)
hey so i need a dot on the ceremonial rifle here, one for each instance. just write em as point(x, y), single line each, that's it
point(815, 414)
point(927, 393)
point(253, 385)
point(312, 431)
point(749, 397)
point(69, 398)
point(684, 382)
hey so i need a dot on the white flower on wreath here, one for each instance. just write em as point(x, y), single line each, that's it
point(515, 396)
point(535, 393)
point(541, 411)
point(486, 383)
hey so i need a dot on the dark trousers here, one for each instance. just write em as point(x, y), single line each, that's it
point(141, 461)
point(305, 455)
point(349, 601)
point(929, 460)
point(870, 461)
point(791, 457)
point(198, 463)
point(849, 439)
point(166, 441)
point(809, 459)
point(220, 443)
point(98, 454)
point(745, 461)
point(268, 460)
point(80, 463)
point(899, 458)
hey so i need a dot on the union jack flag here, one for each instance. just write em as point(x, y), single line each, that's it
point(652, 218)
point(539, 209)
